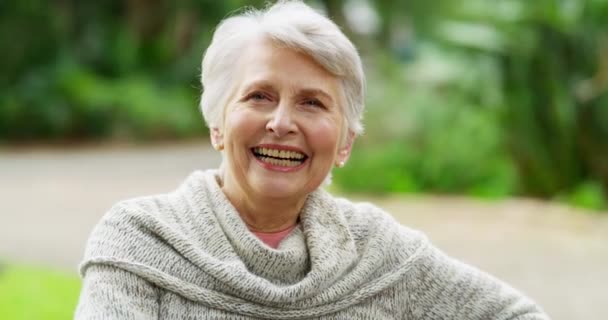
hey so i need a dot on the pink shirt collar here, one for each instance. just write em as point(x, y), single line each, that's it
point(273, 239)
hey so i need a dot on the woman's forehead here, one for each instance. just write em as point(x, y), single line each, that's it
point(267, 65)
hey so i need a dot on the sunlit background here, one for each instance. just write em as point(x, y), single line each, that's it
point(486, 127)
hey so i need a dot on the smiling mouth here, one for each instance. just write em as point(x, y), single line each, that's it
point(277, 157)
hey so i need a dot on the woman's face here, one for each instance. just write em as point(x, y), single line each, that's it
point(282, 125)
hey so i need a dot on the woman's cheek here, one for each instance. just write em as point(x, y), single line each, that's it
point(326, 134)
point(242, 121)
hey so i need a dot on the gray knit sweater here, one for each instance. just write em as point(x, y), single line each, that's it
point(188, 255)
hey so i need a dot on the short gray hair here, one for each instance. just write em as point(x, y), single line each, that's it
point(292, 24)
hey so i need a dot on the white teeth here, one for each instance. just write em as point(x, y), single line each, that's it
point(279, 153)
point(282, 163)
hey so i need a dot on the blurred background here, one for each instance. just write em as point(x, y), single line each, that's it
point(486, 127)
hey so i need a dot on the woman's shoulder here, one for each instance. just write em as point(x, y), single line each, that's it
point(147, 204)
point(141, 222)
point(365, 211)
point(360, 209)
point(142, 218)
point(367, 218)
point(160, 205)
point(137, 209)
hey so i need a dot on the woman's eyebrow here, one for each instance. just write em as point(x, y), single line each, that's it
point(315, 92)
point(266, 85)
point(259, 84)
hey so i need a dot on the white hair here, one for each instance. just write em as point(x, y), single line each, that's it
point(288, 23)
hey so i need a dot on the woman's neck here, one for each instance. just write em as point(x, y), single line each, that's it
point(264, 214)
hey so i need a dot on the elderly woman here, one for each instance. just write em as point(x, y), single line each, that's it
point(258, 238)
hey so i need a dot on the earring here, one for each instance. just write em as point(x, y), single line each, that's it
point(340, 164)
point(218, 146)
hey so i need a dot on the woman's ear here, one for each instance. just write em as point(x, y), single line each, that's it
point(345, 149)
point(217, 138)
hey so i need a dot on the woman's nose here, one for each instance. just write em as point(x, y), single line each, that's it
point(281, 121)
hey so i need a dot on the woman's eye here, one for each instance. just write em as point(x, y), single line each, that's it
point(257, 96)
point(314, 102)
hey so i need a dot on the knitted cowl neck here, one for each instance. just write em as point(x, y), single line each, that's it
point(193, 242)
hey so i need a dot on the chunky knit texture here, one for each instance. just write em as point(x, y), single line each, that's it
point(188, 255)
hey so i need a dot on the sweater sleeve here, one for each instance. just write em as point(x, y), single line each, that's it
point(443, 288)
point(111, 293)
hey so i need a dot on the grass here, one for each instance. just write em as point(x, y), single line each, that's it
point(37, 293)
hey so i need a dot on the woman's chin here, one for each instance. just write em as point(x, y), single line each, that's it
point(283, 185)
point(278, 188)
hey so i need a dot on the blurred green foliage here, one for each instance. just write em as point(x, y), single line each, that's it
point(515, 102)
point(488, 98)
point(37, 293)
point(433, 138)
point(553, 65)
point(74, 70)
